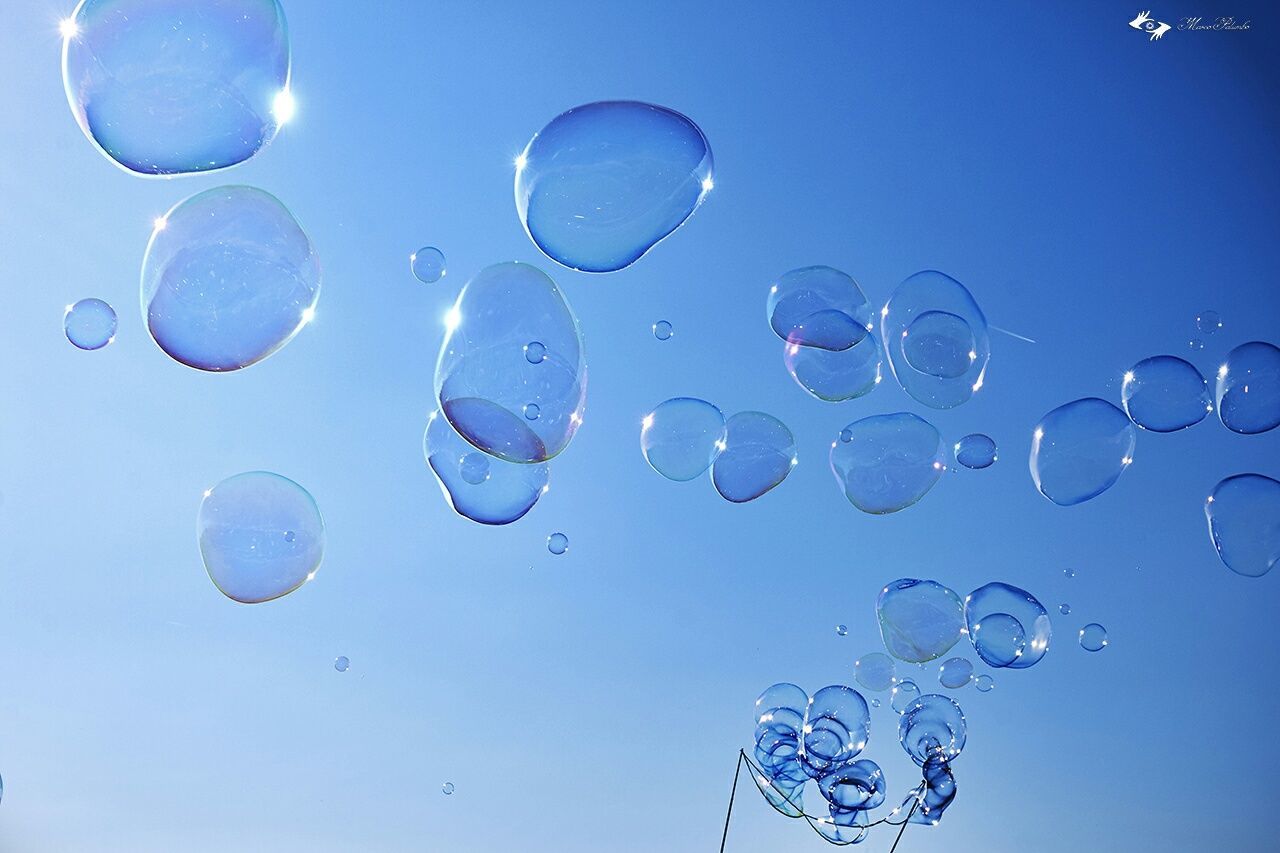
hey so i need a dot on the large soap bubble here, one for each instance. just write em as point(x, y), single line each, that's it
point(1244, 523)
point(779, 716)
point(759, 452)
point(513, 341)
point(818, 307)
point(682, 437)
point(1079, 450)
point(1165, 394)
point(603, 183)
point(886, 463)
point(1248, 389)
point(835, 376)
point(920, 620)
point(932, 728)
point(854, 785)
point(837, 723)
point(478, 486)
point(260, 535)
point(1008, 626)
point(166, 87)
point(936, 338)
point(229, 277)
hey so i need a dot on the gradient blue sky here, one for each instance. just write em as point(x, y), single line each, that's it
point(1093, 189)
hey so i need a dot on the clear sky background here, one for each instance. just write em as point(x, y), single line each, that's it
point(1093, 189)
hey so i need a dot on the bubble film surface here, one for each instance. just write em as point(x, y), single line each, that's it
point(886, 463)
point(1079, 450)
point(920, 620)
point(936, 339)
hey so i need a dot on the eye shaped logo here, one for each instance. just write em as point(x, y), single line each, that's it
point(1146, 24)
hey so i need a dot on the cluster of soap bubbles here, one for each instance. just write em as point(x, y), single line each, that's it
point(748, 454)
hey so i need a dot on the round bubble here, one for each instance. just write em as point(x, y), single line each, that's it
point(1165, 394)
point(341, 663)
point(875, 671)
point(920, 620)
point(166, 87)
point(1244, 523)
point(1195, 344)
point(1093, 637)
point(90, 324)
point(837, 724)
point(855, 785)
point(886, 463)
point(1064, 609)
point(834, 376)
point(260, 535)
point(487, 373)
point(478, 486)
point(603, 183)
point(662, 330)
point(932, 728)
point(447, 788)
point(758, 453)
point(1008, 626)
point(1079, 450)
point(904, 693)
point(229, 277)
point(557, 543)
point(682, 437)
point(1248, 390)
point(984, 683)
point(427, 264)
point(818, 307)
point(842, 630)
point(1208, 322)
point(976, 451)
point(955, 673)
point(936, 338)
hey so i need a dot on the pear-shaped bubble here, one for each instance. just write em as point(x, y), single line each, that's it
point(1079, 450)
point(936, 339)
point(886, 463)
point(682, 437)
point(478, 486)
point(603, 183)
point(261, 536)
point(758, 454)
point(229, 277)
point(920, 620)
point(1248, 389)
point(1244, 523)
point(485, 377)
point(1008, 626)
point(834, 376)
point(166, 87)
point(932, 728)
point(818, 307)
point(1164, 393)
point(976, 451)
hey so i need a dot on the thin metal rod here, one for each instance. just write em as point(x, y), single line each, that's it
point(904, 826)
point(733, 792)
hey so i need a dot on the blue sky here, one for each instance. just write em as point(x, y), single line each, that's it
point(1094, 190)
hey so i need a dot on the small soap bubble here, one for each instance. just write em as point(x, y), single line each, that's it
point(758, 452)
point(1093, 637)
point(662, 330)
point(1248, 388)
point(1079, 450)
point(1008, 626)
point(447, 788)
point(841, 630)
point(818, 307)
point(1244, 523)
point(477, 486)
point(920, 620)
point(905, 692)
point(1195, 344)
point(682, 437)
point(427, 264)
point(531, 411)
point(875, 703)
point(557, 543)
point(936, 339)
point(341, 663)
point(474, 468)
point(984, 683)
point(1208, 322)
point(875, 671)
point(535, 352)
point(955, 673)
point(1165, 394)
point(1064, 609)
point(1068, 573)
point(90, 324)
point(976, 451)
point(889, 462)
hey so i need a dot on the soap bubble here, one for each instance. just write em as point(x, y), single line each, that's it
point(90, 324)
point(447, 788)
point(1093, 637)
point(939, 792)
point(936, 339)
point(932, 727)
point(955, 673)
point(875, 671)
point(229, 277)
point(886, 463)
point(1195, 344)
point(1064, 609)
point(341, 663)
point(260, 535)
point(487, 372)
point(557, 543)
point(837, 723)
point(1208, 322)
point(166, 87)
point(976, 451)
point(758, 453)
point(1248, 391)
point(478, 486)
point(1068, 573)
point(905, 692)
point(835, 376)
point(841, 630)
point(682, 437)
point(984, 683)
point(427, 264)
point(1008, 626)
point(818, 307)
point(920, 620)
point(1244, 523)
point(1079, 450)
point(603, 183)
point(779, 716)
point(1165, 394)
point(855, 785)
point(662, 330)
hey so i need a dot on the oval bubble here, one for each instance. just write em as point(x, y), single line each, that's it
point(758, 453)
point(477, 486)
point(976, 451)
point(427, 264)
point(955, 673)
point(1079, 450)
point(485, 377)
point(854, 785)
point(837, 723)
point(1165, 394)
point(1208, 322)
point(920, 620)
point(229, 277)
point(261, 536)
point(984, 683)
point(1008, 626)
point(932, 728)
point(835, 376)
point(1248, 388)
point(935, 336)
point(167, 87)
point(682, 437)
point(886, 463)
point(1244, 523)
point(818, 307)
point(904, 693)
point(1093, 637)
point(875, 671)
point(90, 324)
point(603, 183)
